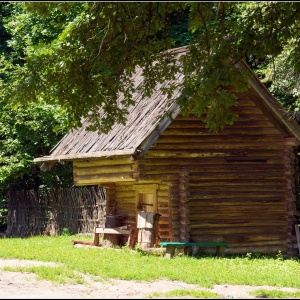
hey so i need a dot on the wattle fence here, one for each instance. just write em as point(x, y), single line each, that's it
point(52, 211)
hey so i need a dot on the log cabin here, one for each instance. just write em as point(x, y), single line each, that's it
point(237, 186)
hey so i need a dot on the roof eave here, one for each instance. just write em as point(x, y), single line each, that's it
point(93, 155)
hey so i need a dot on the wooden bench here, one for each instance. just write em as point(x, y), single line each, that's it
point(170, 246)
point(131, 232)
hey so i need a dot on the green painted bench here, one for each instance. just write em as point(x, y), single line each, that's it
point(170, 246)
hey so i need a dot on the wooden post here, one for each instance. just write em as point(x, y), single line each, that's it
point(132, 238)
point(96, 238)
point(297, 236)
point(184, 212)
point(289, 171)
point(220, 251)
point(170, 251)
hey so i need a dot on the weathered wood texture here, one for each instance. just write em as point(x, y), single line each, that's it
point(89, 172)
point(240, 186)
point(241, 180)
point(126, 205)
point(50, 211)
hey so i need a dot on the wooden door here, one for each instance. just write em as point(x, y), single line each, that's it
point(146, 198)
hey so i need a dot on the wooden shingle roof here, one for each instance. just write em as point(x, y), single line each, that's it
point(146, 120)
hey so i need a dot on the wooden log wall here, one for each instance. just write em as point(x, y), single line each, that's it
point(290, 173)
point(237, 179)
point(119, 177)
point(91, 172)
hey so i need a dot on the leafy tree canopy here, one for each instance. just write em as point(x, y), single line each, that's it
point(26, 131)
point(82, 54)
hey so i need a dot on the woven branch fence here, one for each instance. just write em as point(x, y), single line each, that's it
point(51, 211)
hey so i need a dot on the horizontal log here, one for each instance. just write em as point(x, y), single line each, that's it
point(248, 238)
point(125, 193)
point(204, 203)
point(203, 153)
point(186, 154)
point(76, 242)
point(198, 216)
point(164, 227)
point(232, 176)
point(246, 109)
point(163, 203)
point(190, 123)
point(104, 170)
point(207, 158)
point(170, 135)
point(112, 230)
point(216, 146)
point(164, 220)
point(242, 183)
point(124, 186)
point(99, 178)
point(165, 178)
point(236, 209)
point(256, 249)
point(266, 242)
point(267, 248)
point(165, 235)
point(164, 212)
point(232, 131)
point(175, 224)
point(163, 193)
point(238, 223)
point(237, 230)
point(227, 168)
point(236, 188)
point(232, 195)
point(197, 137)
point(102, 162)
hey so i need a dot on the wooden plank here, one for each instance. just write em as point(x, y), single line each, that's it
point(112, 230)
point(80, 171)
point(199, 244)
point(83, 155)
point(297, 236)
point(102, 162)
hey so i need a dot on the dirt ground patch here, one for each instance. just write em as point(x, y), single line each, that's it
point(15, 285)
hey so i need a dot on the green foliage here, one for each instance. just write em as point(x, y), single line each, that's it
point(26, 131)
point(62, 61)
point(282, 79)
point(89, 52)
point(82, 55)
point(66, 231)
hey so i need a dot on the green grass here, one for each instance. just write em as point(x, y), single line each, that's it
point(275, 294)
point(105, 263)
point(58, 274)
point(183, 293)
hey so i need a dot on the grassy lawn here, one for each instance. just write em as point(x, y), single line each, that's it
point(128, 264)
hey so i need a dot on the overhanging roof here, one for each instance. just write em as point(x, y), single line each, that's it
point(147, 119)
